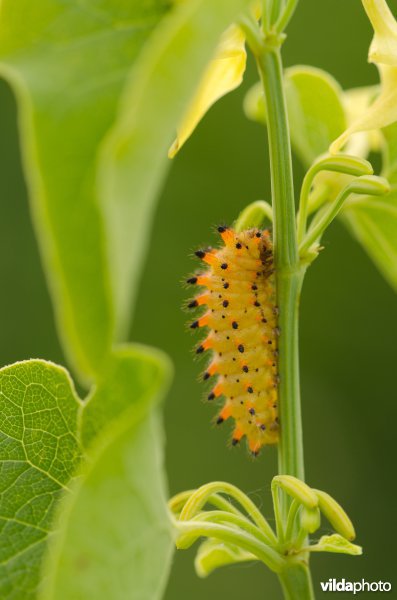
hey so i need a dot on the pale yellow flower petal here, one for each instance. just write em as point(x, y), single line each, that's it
point(356, 102)
point(383, 49)
point(381, 113)
point(383, 52)
point(223, 74)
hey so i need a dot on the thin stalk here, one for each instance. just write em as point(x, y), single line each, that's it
point(200, 497)
point(190, 531)
point(364, 185)
point(286, 15)
point(240, 522)
point(177, 503)
point(270, 13)
point(289, 274)
point(291, 522)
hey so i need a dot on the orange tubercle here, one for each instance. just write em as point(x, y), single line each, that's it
point(218, 389)
point(202, 299)
point(207, 344)
point(225, 412)
point(228, 237)
point(212, 368)
point(237, 435)
point(254, 446)
point(210, 258)
point(203, 280)
point(203, 321)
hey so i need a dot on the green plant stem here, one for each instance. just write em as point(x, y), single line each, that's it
point(295, 580)
point(286, 15)
point(276, 7)
point(289, 273)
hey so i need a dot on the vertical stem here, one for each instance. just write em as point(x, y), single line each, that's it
point(289, 274)
point(295, 579)
point(296, 582)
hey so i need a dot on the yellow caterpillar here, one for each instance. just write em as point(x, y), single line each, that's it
point(239, 296)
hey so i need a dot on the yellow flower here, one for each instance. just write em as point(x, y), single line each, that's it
point(383, 49)
point(223, 74)
point(383, 52)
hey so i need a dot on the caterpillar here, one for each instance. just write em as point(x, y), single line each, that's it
point(238, 291)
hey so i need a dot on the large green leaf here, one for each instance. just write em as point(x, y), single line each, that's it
point(134, 160)
point(68, 62)
point(373, 222)
point(115, 538)
point(39, 452)
point(315, 111)
point(43, 428)
point(390, 153)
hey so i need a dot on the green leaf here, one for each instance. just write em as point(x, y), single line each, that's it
point(115, 538)
point(134, 375)
point(134, 160)
point(390, 153)
point(68, 62)
point(315, 111)
point(213, 554)
point(336, 543)
point(373, 221)
point(43, 428)
point(39, 452)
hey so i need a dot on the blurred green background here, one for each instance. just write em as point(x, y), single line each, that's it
point(348, 321)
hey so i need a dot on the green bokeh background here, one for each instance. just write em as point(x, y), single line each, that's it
point(348, 321)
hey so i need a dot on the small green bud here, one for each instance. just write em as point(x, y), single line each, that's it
point(296, 489)
point(310, 519)
point(335, 514)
